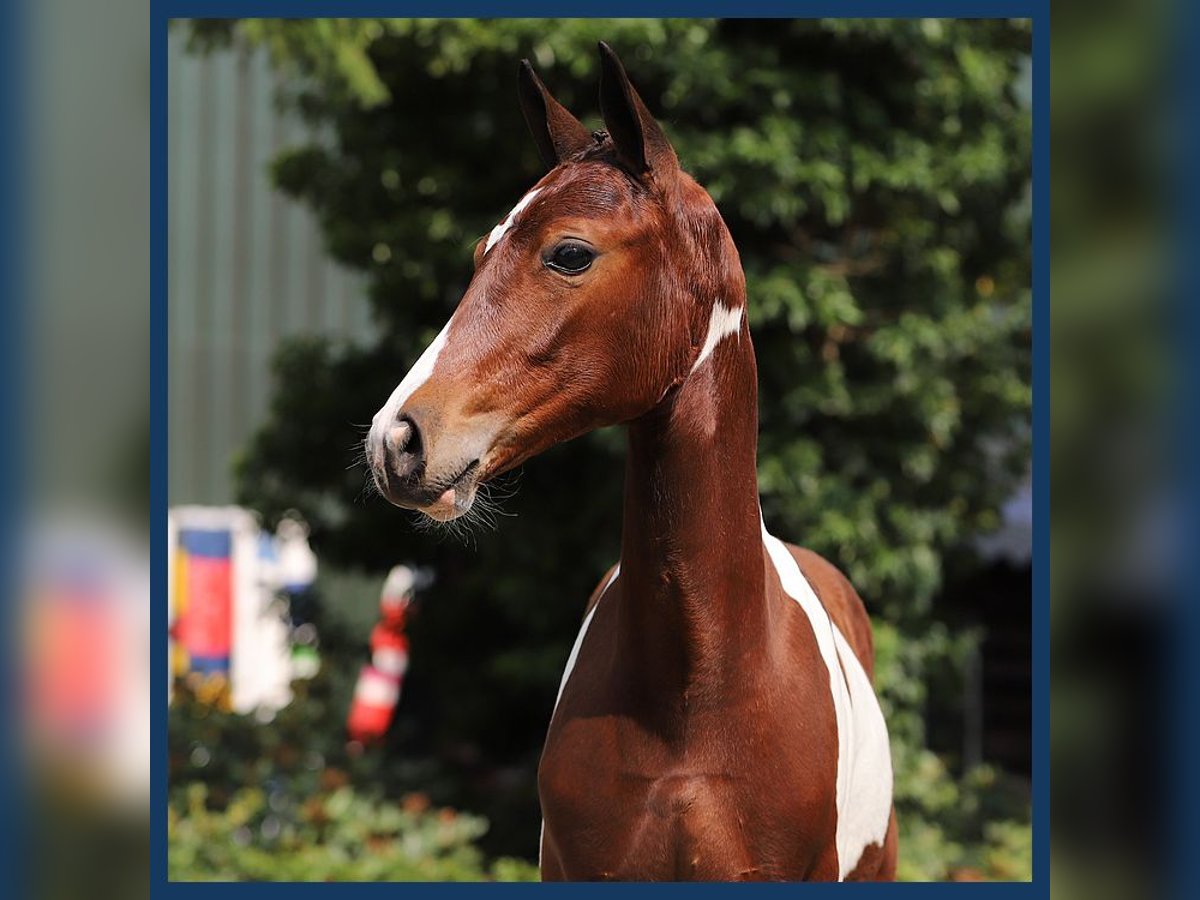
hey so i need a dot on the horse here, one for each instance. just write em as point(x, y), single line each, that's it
point(716, 720)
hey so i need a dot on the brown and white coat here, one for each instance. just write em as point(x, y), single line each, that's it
point(716, 720)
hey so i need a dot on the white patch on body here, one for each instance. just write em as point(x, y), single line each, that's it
point(587, 620)
point(864, 773)
point(582, 633)
point(499, 231)
point(864, 818)
point(417, 376)
point(722, 323)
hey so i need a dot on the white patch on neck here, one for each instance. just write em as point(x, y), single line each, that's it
point(722, 323)
point(417, 376)
point(582, 632)
point(864, 772)
point(587, 620)
point(499, 231)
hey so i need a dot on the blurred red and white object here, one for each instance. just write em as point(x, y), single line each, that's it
point(378, 690)
point(229, 628)
point(86, 657)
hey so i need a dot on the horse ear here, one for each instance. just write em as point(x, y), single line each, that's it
point(557, 133)
point(638, 139)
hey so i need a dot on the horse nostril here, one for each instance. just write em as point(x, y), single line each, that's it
point(399, 436)
point(404, 441)
point(415, 444)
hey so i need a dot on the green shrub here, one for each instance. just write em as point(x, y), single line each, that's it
point(975, 825)
point(337, 835)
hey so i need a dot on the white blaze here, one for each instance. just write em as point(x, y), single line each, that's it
point(722, 323)
point(499, 230)
point(423, 368)
point(417, 376)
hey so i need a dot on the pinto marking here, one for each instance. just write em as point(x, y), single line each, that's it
point(570, 667)
point(417, 376)
point(863, 820)
point(721, 324)
point(864, 771)
point(499, 231)
point(587, 620)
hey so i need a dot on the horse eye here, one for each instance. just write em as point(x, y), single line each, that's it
point(570, 259)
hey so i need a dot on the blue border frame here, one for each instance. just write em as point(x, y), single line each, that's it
point(162, 11)
point(159, 372)
point(14, 284)
point(1041, 451)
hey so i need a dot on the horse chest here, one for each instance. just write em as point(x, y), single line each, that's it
point(621, 809)
point(737, 799)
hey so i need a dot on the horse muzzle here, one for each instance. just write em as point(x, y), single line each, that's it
point(416, 464)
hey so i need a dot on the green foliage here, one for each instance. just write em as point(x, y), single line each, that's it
point(287, 799)
point(338, 835)
point(977, 822)
point(874, 175)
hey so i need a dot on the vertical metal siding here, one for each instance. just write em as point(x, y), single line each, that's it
point(246, 265)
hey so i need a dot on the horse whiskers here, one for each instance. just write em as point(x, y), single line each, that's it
point(360, 455)
point(368, 489)
point(503, 488)
point(482, 516)
point(458, 529)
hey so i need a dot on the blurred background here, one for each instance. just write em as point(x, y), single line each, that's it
point(328, 180)
point(80, 631)
point(476, 639)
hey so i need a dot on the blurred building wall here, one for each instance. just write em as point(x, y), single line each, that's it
point(247, 267)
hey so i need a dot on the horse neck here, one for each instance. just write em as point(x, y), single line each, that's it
point(693, 615)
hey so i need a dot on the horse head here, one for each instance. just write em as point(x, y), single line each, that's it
point(604, 287)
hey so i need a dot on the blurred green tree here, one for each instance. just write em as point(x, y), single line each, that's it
point(875, 177)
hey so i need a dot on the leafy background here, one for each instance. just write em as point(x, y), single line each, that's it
point(875, 176)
